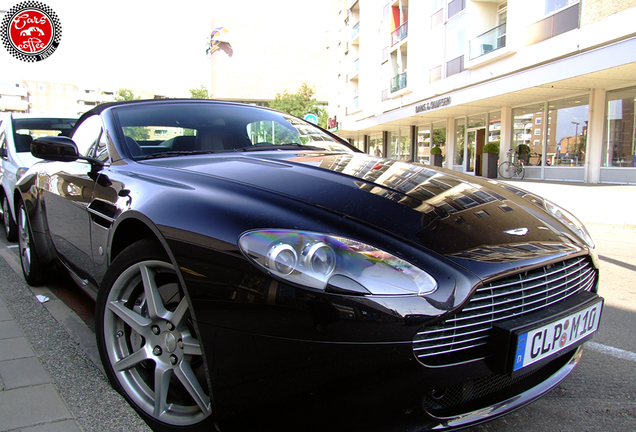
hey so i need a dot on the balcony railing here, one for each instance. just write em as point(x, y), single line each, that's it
point(490, 41)
point(400, 33)
point(398, 82)
point(355, 30)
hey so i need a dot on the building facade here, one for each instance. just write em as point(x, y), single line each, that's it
point(554, 78)
point(57, 99)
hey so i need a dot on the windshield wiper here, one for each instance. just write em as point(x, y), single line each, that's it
point(288, 146)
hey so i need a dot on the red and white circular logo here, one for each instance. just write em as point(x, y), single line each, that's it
point(31, 31)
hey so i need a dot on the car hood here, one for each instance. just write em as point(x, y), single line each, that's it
point(468, 219)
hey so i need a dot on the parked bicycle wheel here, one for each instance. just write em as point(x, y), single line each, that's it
point(506, 169)
point(518, 171)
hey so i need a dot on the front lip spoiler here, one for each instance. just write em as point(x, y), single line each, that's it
point(499, 409)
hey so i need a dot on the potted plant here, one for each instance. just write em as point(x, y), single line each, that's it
point(436, 156)
point(489, 160)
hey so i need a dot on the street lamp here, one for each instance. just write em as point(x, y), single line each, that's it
point(576, 133)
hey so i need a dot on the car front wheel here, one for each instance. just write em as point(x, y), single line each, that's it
point(31, 267)
point(148, 343)
point(10, 227)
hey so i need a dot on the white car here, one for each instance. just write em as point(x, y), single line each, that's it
point(16, 133)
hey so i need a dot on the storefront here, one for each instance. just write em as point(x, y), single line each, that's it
point(574, 119)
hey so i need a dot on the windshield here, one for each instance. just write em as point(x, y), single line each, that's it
point(173, 129)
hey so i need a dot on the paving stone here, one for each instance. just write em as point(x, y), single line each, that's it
point(30, 406)
point(9, 330)
point(62, 426)
point(15, 348)
point(23, 373)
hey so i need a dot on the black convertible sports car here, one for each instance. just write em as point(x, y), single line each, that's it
point(254, 272)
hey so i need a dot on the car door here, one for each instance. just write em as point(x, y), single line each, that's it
point(67, 194)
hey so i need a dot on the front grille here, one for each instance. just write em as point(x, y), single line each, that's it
point(463, 337)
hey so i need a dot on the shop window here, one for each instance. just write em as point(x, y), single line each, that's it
point(399, 147)
point(375, 145)
point(619, 143)
point(568, 145)
point(524, 132)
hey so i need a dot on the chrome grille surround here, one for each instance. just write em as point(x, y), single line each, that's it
point(462, 337)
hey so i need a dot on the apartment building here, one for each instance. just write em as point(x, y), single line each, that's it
point(57, 99)
point(557, 76)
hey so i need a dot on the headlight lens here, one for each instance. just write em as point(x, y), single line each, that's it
point(570, 221)
point(317, 260)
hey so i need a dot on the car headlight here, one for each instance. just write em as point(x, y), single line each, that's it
point(334, 263)
point(570, 221)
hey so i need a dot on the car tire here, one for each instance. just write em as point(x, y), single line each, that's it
point(148, 343)
point(31, 268)
point(10, 227)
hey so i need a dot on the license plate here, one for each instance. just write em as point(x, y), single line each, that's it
point(537, 344)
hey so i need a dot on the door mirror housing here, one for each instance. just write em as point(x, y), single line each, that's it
point(55, 148)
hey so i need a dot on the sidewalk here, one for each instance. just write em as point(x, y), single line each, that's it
point(598, 204)
point(50, 377)
point(47, 381)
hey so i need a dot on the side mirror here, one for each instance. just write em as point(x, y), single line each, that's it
point(55, 148)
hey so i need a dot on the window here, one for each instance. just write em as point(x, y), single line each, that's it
point(455, 7)
point(537, 131)
point(555, 5)
point(400, 145)
point(455, 40)
point(537, 121)
point(569, 143)
point(619, 142)
point(375, 145)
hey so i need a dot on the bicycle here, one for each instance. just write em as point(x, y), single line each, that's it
point(512, 168)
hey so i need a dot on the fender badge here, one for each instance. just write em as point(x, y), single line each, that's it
point(517, 231)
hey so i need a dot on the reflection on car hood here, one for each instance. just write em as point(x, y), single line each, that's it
point(463, 217)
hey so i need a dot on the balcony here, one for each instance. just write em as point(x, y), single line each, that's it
point(355, 70)
point(355, 31)
point(398, 82)
point(487, 42)
point(13, 103)
point(400, 33)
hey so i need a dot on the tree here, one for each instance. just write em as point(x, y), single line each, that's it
point(137, 133)
point(300, 104)
point(200, 93)
point(124, 94)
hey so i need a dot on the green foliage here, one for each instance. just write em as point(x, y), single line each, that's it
point(300, 104)
point(200, 93)
point(137, 133)
point(439, 137)
point(124, 94)
point(491, 147)
point(436, 150)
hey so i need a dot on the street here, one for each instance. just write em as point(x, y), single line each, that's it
point(600, 395)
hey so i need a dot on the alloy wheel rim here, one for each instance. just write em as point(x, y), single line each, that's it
point(6, 215)
point(152, 345)
point(24, 241)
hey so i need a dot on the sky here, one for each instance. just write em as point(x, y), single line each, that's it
point(137, 44)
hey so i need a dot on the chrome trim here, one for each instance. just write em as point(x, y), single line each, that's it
point(499, 300)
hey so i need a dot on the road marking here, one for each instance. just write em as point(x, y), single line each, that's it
point(614, 352)
point(12, 246)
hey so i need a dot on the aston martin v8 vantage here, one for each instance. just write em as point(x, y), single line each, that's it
point(252, 271)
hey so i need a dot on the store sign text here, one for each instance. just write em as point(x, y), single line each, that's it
point(428, 106)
